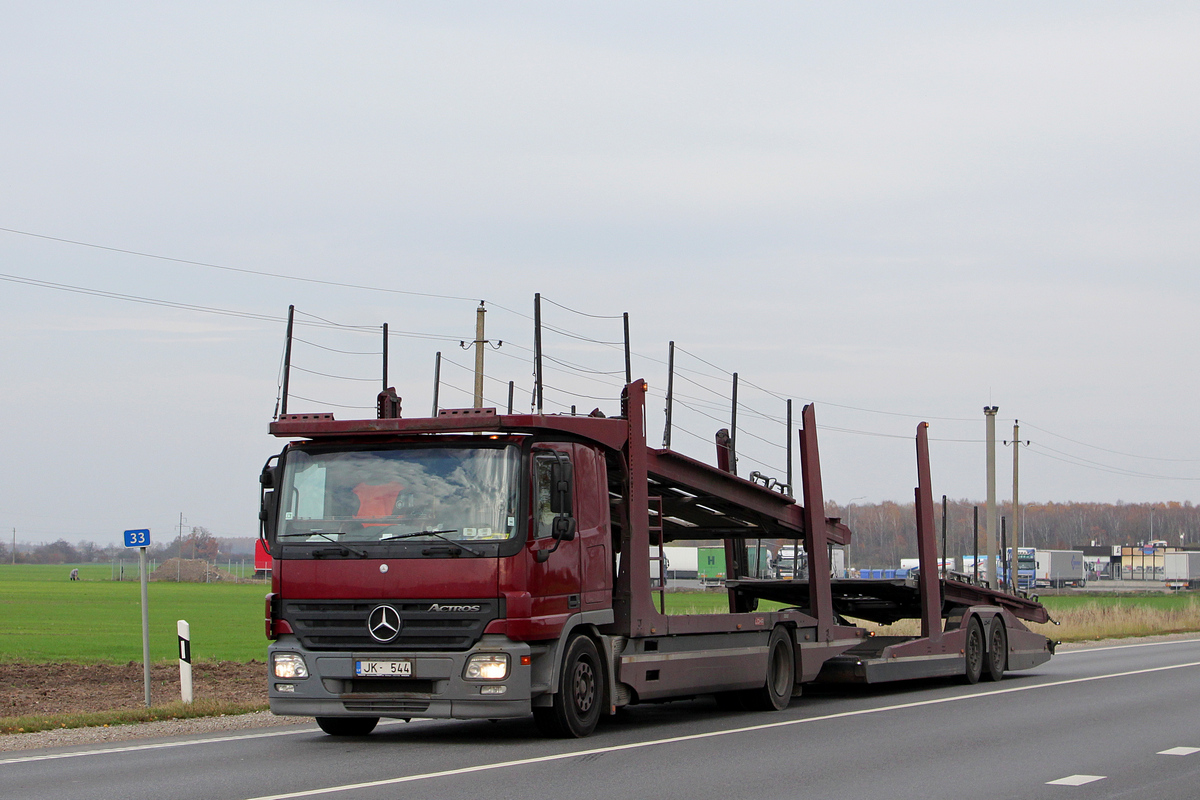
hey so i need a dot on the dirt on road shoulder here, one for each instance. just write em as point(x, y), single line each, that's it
point(77, 688)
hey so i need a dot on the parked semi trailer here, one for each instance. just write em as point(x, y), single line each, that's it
point(1059, 568)
point(477, 565)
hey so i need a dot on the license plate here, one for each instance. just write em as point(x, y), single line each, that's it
point(383, 669)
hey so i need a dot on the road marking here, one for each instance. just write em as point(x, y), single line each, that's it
point(1125, 646)
point(351, 787)
point(1075, 780)
point(1179, 751)
point(160, 745)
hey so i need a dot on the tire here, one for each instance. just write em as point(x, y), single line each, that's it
point(776, 691)
point(974, 651)
point(580, 698)
point(347, 726)
point(997, 651)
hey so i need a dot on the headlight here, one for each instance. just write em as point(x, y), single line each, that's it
point(487, 667)
point(289, 665)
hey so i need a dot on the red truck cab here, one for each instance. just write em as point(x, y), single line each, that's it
point(433, 575)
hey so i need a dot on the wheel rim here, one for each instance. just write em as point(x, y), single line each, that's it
point(999, 645)
point(974, 649)
point(584, 686)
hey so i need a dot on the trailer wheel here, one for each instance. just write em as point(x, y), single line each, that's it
point(347, 726)
point(973, 650)
point(997, 655)
point(776, 692)
point(580, 696)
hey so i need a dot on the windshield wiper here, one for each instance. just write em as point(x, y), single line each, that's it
point(327, 537)
point(438, 534)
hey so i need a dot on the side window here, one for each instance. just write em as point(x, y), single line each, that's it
point(545, 510)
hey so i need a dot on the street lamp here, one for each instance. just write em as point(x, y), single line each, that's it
point(848, 507)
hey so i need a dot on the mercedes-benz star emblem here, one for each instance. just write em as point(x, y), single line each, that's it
point(383, 623)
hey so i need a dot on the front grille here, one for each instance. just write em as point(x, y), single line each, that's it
point(387, 706)
point(391, 686)
point(342, 624)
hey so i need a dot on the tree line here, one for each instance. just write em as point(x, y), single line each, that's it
point(886, 532)
point(199, 543)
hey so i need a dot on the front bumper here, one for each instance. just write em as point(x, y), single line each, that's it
point(436, 689)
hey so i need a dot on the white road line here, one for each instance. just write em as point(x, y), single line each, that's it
point(1179, 751)
point(1075, 780)
point(350, 787)
point(161, 745)
point(1125, 646)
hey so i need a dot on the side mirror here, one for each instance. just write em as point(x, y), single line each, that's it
point(564, 528)
point(561, 480)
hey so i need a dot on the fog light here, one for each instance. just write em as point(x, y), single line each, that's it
point(289, 665)
point(285, 687)
point(493, 689)
point(487, 667)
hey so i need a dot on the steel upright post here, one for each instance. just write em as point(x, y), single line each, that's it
point(537, 349)
point(944, 554)
point(733, 430)
point(989, 413)
point(791, 486)
point(437, 380)
point(670, 394)
point(287, 359)
point(385, 355)
point(628, 363)
point(975, 556)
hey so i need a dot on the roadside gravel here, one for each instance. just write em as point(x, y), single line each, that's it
point(69, 737)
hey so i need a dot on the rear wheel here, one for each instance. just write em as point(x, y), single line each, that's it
point(973, 650)
point(347, 726)
point(997, 655)
point(776, 692)
point(580, 696)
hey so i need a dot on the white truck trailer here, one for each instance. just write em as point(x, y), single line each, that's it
point(1059, 568)
point(1182, 570)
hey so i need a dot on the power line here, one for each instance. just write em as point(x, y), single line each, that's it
point(582, 313)
point(241, 270)
point(338, 377)
point(1114, 452)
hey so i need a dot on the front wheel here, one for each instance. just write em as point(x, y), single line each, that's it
point(347, 726)
point(580, 696)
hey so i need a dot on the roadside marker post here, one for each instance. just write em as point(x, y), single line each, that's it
point(185, 660)
point(140, 538)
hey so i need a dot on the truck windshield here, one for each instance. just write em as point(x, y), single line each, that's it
point(466, 494)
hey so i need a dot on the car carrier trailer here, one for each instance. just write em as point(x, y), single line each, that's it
point(477, 565)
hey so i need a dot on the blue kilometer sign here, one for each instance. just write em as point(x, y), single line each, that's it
point(137, 538)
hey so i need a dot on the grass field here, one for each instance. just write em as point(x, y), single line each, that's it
point(45, 617)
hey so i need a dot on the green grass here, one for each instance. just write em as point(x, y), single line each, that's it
point(44, 617)
point(129, 716)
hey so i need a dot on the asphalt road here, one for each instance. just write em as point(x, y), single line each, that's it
point(1112, 722)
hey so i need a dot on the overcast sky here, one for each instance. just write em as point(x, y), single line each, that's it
point(898, 211)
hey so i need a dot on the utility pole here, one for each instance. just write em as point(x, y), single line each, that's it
point(479, 345)
point(14, 552)
point(989, 413)
point(1016, 505)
